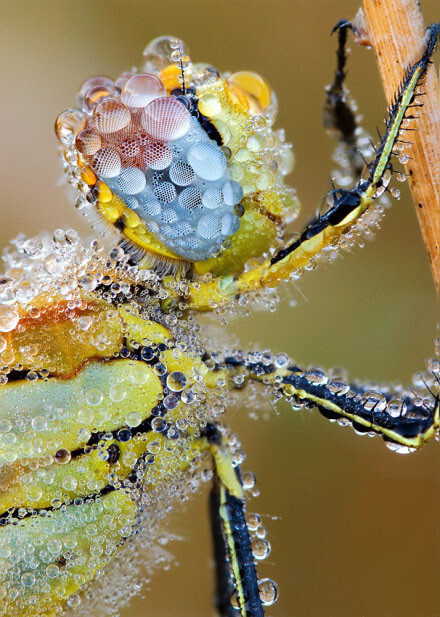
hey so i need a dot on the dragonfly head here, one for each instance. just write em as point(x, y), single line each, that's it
point(181, 161)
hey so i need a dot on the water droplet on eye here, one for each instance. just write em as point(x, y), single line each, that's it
point(141, 89)
point(268, 591)
point(207, 160)
point(62, 456)
point(88, 142)
point(131, 181)
point(67, 124)
point(232, 193)
point(165, 192)
point(166, 119)
point(107, 163)
point(9, 318)
point(209, 226)
point(181, 173)
point(176, 381)
point(111, 116)
point(157, 155)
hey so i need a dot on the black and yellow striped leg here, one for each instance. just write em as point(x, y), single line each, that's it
point(404, 419)
point(338, 116)
point(224, 584)
point(237, 591)
point(345, 207)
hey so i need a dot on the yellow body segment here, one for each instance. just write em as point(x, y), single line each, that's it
point(68, 474)
point(64, 550)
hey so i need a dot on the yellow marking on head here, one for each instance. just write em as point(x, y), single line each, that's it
point(133, 228)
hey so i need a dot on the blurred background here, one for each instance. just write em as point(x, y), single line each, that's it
point(355, 529)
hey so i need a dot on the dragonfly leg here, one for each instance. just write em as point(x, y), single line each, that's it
point(236, 574)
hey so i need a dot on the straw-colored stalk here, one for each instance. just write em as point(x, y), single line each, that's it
point(396, 31)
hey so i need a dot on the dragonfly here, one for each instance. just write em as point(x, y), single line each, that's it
point(112, 396)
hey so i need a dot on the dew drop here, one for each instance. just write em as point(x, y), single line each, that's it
point(94, 397)
point(9, 318)
point(39, 423)
point(170, 402)
point(268, 591)
point(62, 456)
point(28, 579)
point(260, 549)
point(176, 381)
point(133, 418)
point(117, 392)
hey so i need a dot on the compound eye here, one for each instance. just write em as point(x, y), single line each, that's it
point(152, 155)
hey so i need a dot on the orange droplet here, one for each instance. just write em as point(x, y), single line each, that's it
point(88, 176)
point(254, 87)
point(169, 76)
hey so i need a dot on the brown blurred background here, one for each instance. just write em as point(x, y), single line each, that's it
point(357, 532)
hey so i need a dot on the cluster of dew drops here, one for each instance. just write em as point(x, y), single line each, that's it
point(63, 266)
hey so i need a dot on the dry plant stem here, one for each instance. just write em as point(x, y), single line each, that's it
point(396, 30)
